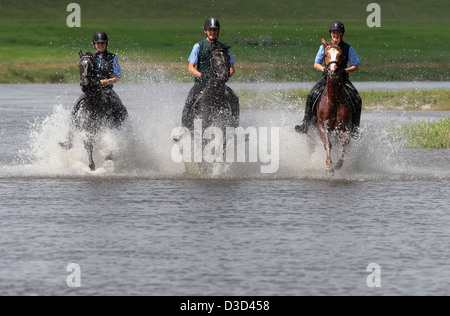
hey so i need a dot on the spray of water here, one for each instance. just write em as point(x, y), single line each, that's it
point(142, 148)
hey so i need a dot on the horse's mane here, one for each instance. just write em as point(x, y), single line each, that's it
point(221, 47)
point(88, 54)
point(332, 44)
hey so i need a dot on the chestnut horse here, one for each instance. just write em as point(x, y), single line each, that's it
point(334, 108)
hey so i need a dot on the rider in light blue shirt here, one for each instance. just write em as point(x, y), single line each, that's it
point(193, 58)
point(352, 56)
point(117, 71)
point(337, 31)
point(200, 66)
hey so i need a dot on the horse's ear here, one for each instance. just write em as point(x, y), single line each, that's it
point(80, 53)
point(324, 42)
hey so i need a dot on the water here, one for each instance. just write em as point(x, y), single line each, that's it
point(143, 226)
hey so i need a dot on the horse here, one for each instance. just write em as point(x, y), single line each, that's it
point(217, 105)
point(334, 108)
point(97, 110)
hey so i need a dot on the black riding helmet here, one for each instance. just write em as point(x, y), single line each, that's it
point(100, 37)
point(212, 23)
point(337, 26)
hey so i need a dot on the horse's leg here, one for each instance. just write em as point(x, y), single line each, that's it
point(345, 141)
point(68, 144)
point(325, 135)
point(311, 145)
point(90, 150)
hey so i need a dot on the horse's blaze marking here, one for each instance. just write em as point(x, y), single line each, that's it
point(333, 56)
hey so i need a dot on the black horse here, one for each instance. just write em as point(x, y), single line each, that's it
point(97, 109)
point(217, 105)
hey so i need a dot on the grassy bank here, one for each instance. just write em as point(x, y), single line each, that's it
point(271, 41)
point(420, 135)
point(405, 100)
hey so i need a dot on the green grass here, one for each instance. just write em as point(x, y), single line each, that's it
point(435, 135)
point(406, 100)
point(436, 100)
point(413, 43)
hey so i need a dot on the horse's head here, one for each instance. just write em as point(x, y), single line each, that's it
point(220, 63)
point(88, 69)
point(333, 58)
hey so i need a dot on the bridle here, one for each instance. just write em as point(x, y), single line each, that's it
point(223, 51)
point(90, 73)
point(226, 61)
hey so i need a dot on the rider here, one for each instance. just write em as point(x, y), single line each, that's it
point(337, 31)
point(199, 66)
point(110, 73)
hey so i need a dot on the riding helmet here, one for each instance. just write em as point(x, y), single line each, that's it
point(337, 26)
point(212, 23)
point(100, 37)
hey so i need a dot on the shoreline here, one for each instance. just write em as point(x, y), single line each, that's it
point(377, 96)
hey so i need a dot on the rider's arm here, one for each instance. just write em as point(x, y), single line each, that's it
point(354, 61)
point(232, 71)
point(232, 63)
point(117, 73)
point(319, 67)
point(194, 70)
point(320, 57)
point(193, 61)
point(352, 69)
point(110, 81)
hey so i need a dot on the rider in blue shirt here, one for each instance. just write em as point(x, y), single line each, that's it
point(116, 70)
point(199, 67)
point(337, 31)
point(193, 58)
point(352, 57)
point(109, 73)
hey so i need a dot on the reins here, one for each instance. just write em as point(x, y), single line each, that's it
point(91, 74)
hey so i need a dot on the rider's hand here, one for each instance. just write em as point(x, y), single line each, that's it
point(205, 77)
point(103, 82)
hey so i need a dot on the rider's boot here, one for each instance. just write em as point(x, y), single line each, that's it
point(356, 99)
point(309, 117)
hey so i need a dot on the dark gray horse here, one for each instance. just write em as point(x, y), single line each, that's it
point(218, 105)
point(97, 109)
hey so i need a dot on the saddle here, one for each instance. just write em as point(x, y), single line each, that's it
point(351, 92)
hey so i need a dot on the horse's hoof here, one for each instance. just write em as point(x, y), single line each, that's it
point(301, 129)
point(66, 145)
point(110, 157)
point(339, 165)
point(92, 167)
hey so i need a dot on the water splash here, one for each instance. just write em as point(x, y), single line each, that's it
point(143, 147)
